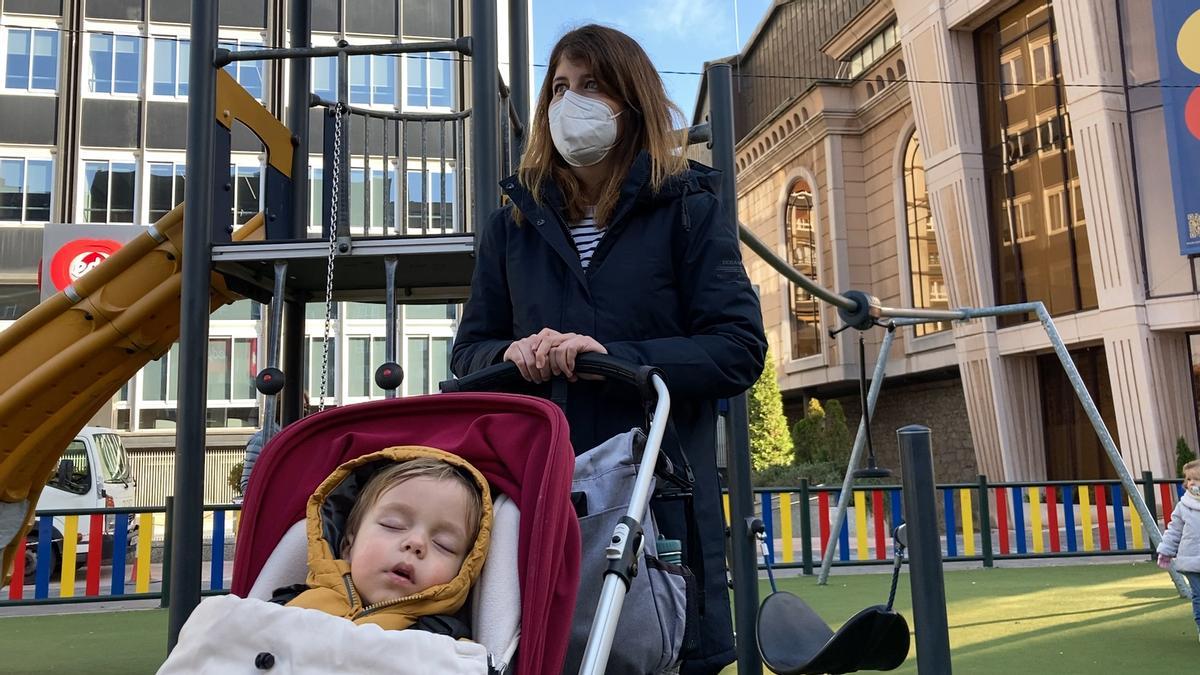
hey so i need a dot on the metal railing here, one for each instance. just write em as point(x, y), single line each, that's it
point(980, 521)
point(129, 561)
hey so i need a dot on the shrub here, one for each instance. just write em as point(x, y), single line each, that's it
point(770, 444)
point(822, 436)
point(234, 480)
point(1183, 455)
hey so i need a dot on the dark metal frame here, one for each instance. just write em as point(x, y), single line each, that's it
point(486, 155)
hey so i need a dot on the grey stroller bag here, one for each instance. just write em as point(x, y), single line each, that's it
point(651, 629)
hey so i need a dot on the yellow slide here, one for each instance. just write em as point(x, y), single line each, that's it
point(67, 358)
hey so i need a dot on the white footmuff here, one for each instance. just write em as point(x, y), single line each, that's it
point(230, 635)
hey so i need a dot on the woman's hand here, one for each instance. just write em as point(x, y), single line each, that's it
point(523, 353)
point(565, 348)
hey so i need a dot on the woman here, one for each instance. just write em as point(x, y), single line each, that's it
point(613, 244)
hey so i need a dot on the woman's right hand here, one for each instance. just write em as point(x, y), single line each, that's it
point(523, 353)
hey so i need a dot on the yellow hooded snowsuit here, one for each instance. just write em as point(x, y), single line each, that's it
point(331, 589)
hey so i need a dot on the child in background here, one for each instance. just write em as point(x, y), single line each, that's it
point(1181, 540)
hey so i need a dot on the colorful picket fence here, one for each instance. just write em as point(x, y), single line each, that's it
point(127, 568)
point(980, 521)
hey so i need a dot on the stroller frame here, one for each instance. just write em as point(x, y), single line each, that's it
point(627, 537)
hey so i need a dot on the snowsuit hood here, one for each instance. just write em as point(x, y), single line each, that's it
point(331, 589)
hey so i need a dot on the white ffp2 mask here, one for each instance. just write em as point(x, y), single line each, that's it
point(583, 129)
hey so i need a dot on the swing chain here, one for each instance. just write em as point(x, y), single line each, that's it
point(333, 223)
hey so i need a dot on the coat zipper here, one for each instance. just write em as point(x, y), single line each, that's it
point(371, 609)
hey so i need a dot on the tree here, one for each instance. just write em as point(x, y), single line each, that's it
point(770, 444)
point(1183, 455)
point(822, 436)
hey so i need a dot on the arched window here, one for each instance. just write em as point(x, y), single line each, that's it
point(924, 259)
point(870, 90)
point(900, 68)
point(891, 75)
point(801, 236)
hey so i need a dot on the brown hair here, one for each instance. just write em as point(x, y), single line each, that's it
point(624, 72)
point(1192, 469)
point(396, 474)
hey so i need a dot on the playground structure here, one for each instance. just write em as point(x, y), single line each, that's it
point(66, 358)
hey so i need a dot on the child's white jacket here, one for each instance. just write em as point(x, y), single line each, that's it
point(1181, 540)
point(228, 635)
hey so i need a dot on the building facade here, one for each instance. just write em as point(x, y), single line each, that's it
point(94, 94)
point(971, 153)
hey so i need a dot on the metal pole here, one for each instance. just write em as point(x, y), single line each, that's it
point(299, 73)
point(485, 111)
point(341, 223)
point(389, 312)
point(274, 330)
point(188, 523)
point(1106, 441)
point(924, 551)
point(518, 69)
point(860, 442)
point(293, 361)
point(744, 559)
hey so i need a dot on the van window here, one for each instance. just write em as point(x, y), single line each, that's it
point(114, 462)
point(79, 479)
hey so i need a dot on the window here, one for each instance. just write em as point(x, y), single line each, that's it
point(365, 354)
point(165, 188)
point(373, 80)
point(802, 249)
point(25, 188)
point(247, 192)
point(1012, 74)
point(1030, 164)
point(1078, 219)
point(324, 77)
point(108, 191)
point(316, 197)
point(115, 63)
point(417, 312)
point(1056, 212)
point(1022, 214)
point(73, 473)
point(927, 286)
point(31, 60)
point(430, 81)
point(874, 50)
point(160, 378)
point(232, 367)
point(428, 363)
point(171, 56)
point(1043, 60)
point(249, 74)
point(430, 202)
point(314, 348)
point(360, 221)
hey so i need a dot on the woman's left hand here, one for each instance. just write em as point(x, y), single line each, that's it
point(565, 347)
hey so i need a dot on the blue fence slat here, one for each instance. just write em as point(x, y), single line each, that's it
point(1118, 505)
point(217, 569)
point(120, 543)
point(1178, 491)
point(897, 509)
point(41, 587)
point(1068, 502)
point(768, 518)
point(1018, 506)
point(844, 535)
point(951, 528)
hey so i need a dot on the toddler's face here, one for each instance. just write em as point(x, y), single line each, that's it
point(1193, 486)
point(413, 538)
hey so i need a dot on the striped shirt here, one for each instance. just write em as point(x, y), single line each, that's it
point(586, 235)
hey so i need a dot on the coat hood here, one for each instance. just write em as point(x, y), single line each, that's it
point(331, 589)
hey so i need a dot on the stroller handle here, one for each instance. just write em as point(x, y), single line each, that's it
point(503, 376)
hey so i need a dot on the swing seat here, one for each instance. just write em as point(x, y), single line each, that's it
point(792, 639)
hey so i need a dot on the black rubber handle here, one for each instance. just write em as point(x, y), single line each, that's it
point(505, 376)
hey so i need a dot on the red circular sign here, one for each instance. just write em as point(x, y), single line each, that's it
point(1191, 113)
point(77, 258)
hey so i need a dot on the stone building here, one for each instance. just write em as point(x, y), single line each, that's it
point(968, 153)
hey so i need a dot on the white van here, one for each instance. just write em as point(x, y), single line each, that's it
point(92, 473)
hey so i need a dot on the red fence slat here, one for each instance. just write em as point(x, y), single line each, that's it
point(1052, 516)
point(1102, 516)
point(1002, 519)
point(877, 512)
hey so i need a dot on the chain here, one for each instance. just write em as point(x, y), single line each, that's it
point(333, 223)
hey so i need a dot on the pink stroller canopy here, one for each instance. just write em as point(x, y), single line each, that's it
point(521, 444)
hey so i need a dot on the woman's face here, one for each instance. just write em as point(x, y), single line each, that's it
point(576, 77)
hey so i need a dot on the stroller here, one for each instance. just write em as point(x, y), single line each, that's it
point(521, 445)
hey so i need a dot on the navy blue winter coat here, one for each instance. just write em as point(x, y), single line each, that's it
point(665, 287)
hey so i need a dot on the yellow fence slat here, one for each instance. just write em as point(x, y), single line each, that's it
point(70, 537)
point(1085, 518)
point(785, 526)
point(145, 534)
point(1135, 524)
point(860, 524)
point(968, 522)
point(725, 502)
point(1035, 519)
